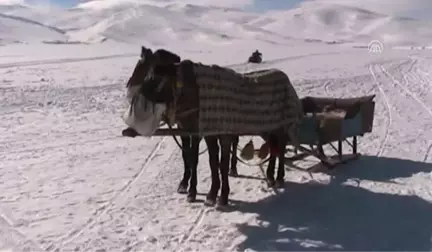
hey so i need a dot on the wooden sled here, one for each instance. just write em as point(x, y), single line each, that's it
point(328, 121)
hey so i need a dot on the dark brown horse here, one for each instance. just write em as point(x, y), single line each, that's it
point(189, 144)
point(162, 86)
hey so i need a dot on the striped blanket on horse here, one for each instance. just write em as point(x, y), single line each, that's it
point(252, 103)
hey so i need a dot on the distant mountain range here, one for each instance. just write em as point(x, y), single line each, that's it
point(132, 23)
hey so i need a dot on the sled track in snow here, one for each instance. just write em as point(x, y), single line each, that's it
point(327, 85)
point(104, 209)
point(405, 89)
point(428, 152)
point(12, 235)
point(193, 229)
point(388, 106)
point(58, 146)
point(413, 96)
point(421, 71)
point(63, 61)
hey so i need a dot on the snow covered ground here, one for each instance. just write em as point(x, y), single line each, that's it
point(70, 182)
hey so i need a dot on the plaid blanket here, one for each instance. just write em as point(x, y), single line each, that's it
point(253, 103)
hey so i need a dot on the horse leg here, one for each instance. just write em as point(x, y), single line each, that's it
point(213, 150)
point(193, 163)
point(281, 166)
point(186, 147)
point(225, 142)
point(272, 162)
point(233, 169)
point(270, 171)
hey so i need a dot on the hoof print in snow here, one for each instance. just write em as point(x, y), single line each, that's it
point(151, 239)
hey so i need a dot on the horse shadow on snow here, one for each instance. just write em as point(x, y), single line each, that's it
point(316, 217)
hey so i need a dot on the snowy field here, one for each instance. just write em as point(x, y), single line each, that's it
point(70, 182)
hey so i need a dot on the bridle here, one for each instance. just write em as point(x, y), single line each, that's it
point(172, 113)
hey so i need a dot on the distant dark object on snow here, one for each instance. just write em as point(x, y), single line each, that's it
point(256, 57)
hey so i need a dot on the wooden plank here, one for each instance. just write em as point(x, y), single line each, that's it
point(180, 132)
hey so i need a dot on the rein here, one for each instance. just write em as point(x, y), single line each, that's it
point(170, 117)
point(167, 119)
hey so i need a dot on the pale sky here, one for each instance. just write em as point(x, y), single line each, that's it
point(421, 9)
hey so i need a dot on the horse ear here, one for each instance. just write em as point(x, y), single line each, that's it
point(178, 59)
point(169, 70)
point(145, 51)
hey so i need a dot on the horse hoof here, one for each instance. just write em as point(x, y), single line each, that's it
point(280, 183)
point(223, 202)
point(191, 198)
point(271, 183)
point(233, 173)
point(210, 202)
point(129, 132)
point(182, 189)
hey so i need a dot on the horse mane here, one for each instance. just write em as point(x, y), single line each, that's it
point(165, 56)
point(213, 69)
point(134, 74)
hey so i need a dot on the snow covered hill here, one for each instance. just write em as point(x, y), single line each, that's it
point(18, 30)
point(137, 23)
point(317, 20)
point(134, 22)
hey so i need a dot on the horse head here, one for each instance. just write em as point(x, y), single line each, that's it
point(145, 90)
point(154, 87)
point(143, 68)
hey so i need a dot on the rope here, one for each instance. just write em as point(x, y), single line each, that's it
point(258, 164)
